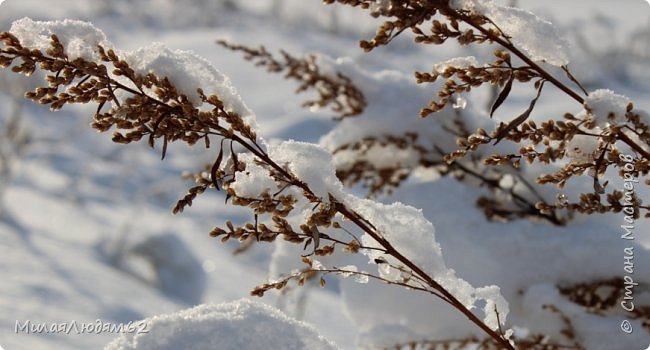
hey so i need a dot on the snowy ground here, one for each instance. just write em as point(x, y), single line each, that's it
point(83, 219)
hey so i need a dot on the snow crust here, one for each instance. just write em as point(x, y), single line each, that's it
point(495, 307)
point(188, 72)
point(254, 181)
point(604, 108)
point(457, 62)
point(603, 103)
point(79, 38)
point(413, 235)
point(311, 164)
point(239, 325)
point(536, 36)
point(582, 147)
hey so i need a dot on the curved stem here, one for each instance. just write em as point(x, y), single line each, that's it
point(390, 250)
point(354, 217)
point(251, 145)
point(506, 44)
point(541, 71)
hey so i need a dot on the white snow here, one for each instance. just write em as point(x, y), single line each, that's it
point(254, 181)
point(495, 307)
point(239, 325)
point(607, 328)
point(362, 279)
point(381, 156)
point(582, 147)
point(537, 37)
point(603, 103)
point(160, 260)
point(603, 107)
point(386, 92)
point(71, 193)
point(556, 255)
point(407, 230)
point(79, 38)
point(351, 268)
point(457, 62)
point(188, 72)
point(311, 164)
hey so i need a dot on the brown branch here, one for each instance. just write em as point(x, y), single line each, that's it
point(238, 132)
point(541, 71)
point(623, 137)
point(510, 47)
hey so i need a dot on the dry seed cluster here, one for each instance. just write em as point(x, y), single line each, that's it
point(155, 110)
point(434, 23)
point(345, 99)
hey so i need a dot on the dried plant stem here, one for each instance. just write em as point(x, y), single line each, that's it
point(364, 225)
point(551, 217)
point(510, 47)
point(448, 297)
point(343, 271)
point(623, 137)
point(541, 71)
point(172, 107)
